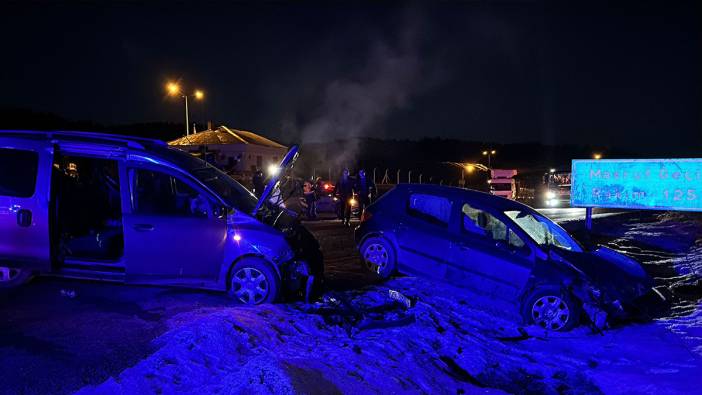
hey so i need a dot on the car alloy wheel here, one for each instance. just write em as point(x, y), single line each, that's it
point(250, 285)
point(376, 256)
point(8, 274)
point(550, 312)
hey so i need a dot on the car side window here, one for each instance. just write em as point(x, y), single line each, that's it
point(482, 223)
point(158, 193)
point(18, 172)
point(430, 208)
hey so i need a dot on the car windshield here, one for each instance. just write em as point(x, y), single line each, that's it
point(543, 231)
point(233, 193)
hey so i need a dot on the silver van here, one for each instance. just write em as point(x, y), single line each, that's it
point(115, 208)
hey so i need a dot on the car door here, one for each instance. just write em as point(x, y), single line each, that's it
point(488, 256)
point(25, 174)
point(423, 235)
point(171, 234)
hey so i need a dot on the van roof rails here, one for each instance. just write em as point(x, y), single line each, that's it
point(129, 141)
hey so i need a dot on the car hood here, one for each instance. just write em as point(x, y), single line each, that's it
point(286, 163)
point(621, 277)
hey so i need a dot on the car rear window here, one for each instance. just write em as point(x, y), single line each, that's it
point(433, 209)
point(18, 172)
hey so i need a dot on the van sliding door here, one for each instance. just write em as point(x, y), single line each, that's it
point(25, 175)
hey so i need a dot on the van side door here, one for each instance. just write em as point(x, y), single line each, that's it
point(171, 234)
point(25, 179)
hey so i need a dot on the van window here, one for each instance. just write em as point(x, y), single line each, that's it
point(482, 223)
point(162, 194)
point(18, 172)
point(430, 208)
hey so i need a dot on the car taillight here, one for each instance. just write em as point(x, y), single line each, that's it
point(366, 215)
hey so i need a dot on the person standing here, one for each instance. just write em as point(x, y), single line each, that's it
point(365, 189)
point(257, 182)
point(309, 195)
point(344, 191)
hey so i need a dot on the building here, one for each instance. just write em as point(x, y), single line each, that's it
point(236, 151)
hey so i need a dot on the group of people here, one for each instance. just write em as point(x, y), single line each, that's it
point(345, 189)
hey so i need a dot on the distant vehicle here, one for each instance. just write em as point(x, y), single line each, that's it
point(556, 188)
point(501, 248)
point(502, 183)
point(105, 207)
point(325, 197)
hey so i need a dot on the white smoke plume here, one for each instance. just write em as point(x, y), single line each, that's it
point(356, 104)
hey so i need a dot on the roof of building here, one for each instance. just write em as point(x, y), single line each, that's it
point(225, 135)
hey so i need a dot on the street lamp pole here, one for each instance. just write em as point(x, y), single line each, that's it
point(187, 120)
point(489, 154)
point(174, 89)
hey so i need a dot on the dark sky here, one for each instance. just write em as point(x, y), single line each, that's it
point(628, 75)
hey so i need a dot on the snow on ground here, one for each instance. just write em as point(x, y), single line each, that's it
point(450, 341)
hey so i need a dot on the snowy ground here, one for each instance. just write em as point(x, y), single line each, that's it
point(361, 341)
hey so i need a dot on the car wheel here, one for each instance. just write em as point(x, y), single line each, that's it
point(378, 256)
point(552, 309)
point(254, 281)
point(11, 277)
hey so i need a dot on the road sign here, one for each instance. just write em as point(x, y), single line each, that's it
point(656, 184)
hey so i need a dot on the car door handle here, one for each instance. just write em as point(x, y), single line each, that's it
point(143, 227)
point(24, 218)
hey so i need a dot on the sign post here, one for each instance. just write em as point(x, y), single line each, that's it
point(588, 218)
point(640, 184)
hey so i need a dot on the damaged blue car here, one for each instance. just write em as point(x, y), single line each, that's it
point(502, 249)
point(114, 208)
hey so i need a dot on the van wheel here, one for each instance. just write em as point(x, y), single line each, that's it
point(379, 256)
point(552, 309)
point(11, 277)
point(253, 281)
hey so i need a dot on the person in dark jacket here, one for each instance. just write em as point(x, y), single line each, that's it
point(309, 197)
point(365, 189)
point(344, 191)
point(257, 181)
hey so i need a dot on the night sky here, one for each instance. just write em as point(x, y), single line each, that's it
point(627, 75)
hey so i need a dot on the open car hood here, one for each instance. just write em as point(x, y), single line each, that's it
point(285, 164)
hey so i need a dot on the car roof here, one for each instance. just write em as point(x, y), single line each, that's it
point(482, 198)
point(86, 137)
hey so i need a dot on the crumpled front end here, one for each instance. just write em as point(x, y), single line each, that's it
point(610, 285)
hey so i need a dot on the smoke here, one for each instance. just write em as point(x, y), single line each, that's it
point(356, 104)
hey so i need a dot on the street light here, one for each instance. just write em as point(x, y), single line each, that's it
point(597, 156)
point(489, 154)
point(174, 89)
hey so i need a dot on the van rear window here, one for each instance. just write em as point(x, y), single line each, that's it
point(18, 172)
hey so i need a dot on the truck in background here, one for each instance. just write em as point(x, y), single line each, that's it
point(502, 183)
point(556, 188)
